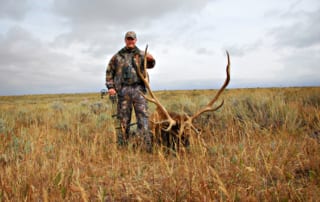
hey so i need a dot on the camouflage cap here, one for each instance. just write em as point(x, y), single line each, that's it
point(131, 34)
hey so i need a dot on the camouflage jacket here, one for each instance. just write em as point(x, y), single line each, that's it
point(122, 68)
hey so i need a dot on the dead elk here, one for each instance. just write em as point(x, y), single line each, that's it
point(171, 129)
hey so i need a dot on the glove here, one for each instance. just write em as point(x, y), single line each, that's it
point(150, 61)
point(149, 57)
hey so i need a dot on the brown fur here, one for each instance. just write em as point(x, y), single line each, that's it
point(170, 139)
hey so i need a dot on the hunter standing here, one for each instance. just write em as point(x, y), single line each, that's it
point(123, 81)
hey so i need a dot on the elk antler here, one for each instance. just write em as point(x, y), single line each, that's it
point(188, 122)
point(144, 77)
point(208, 107)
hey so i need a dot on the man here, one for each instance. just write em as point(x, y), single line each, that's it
point(122, 80)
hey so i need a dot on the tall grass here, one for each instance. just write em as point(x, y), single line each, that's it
point(262, 145)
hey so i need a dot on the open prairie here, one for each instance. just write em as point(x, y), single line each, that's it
point(262, 145)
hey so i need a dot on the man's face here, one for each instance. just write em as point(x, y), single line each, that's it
point(130, 42)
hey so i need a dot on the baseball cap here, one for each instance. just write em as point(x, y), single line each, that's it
point(131, 34)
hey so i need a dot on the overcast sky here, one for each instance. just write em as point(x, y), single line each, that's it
point(60, 46)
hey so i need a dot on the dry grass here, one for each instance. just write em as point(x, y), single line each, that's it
point(263, 145)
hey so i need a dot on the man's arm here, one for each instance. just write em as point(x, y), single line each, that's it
point(110, 72)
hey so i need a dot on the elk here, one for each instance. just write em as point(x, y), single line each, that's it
point(167, 126)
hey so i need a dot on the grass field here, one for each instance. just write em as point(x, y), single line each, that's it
point(262, 145)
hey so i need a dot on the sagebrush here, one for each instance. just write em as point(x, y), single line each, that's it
point(262, 145)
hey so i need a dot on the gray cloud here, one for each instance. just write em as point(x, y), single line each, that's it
point(303, 32)
point(30, 65)
point(204, 51)
point(241, 50)
point(302, 63)
point(21, 50)
point(124, 12)
point(13, 10)
point(100, 26)
point(82, 36)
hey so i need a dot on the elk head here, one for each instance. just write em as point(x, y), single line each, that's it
point(171, 123)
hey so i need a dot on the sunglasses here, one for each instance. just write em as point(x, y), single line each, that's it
point(130, 38)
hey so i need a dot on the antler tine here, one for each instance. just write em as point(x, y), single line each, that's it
point(145, 62)
point(153, 98)
point(209, 105)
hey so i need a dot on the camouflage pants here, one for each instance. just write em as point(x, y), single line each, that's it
point(128, 97)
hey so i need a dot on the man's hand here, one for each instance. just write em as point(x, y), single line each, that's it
point(112, 92)
point(150, 61)
point(149, 57)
